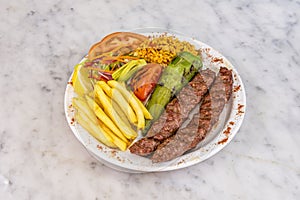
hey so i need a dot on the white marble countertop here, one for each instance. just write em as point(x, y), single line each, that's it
point(41, 42)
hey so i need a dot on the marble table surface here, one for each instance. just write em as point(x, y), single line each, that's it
point(41, 41)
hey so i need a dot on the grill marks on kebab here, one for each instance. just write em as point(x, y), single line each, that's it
point(187, 138)
point(176, 113)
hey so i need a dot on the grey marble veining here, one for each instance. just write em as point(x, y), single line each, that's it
point(40, 42)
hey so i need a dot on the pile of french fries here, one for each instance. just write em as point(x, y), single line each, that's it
point(111, 114)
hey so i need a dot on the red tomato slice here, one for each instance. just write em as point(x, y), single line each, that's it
point(144, 81)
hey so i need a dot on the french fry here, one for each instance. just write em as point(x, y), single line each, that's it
point(92, 95)
point(132, 101)
point(127, 131)
point(116, 140)
point(106, 88)
point(105, 119)
point(120, 113)
point(84, 114)
point(81, 106)
point(124, 105)
point(86, 117)
point(116, 96)
point(144, 109)
point(93, 129)
point(114, 104)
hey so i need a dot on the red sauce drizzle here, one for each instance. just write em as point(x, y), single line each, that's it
point(227, 131)
point(218, 60)
point(240, 107)
point(113, 153)
point(99, 147)
point(236, 88)
point(72, 121)
point(223, 141)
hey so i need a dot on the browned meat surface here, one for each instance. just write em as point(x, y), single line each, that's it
point(175, 114)
point(210, 110)
point(144, 146)
point(179, 108)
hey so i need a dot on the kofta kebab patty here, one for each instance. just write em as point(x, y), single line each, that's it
point(166, 138)
point(176, 113)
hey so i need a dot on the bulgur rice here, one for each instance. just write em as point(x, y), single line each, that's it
point(162, 49)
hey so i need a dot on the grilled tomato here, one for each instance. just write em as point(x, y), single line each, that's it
point(144, 81)
point(118, 43)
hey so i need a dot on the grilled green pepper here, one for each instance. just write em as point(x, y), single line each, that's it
point(174, 77)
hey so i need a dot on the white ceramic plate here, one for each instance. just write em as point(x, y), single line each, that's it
point(221, 134)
